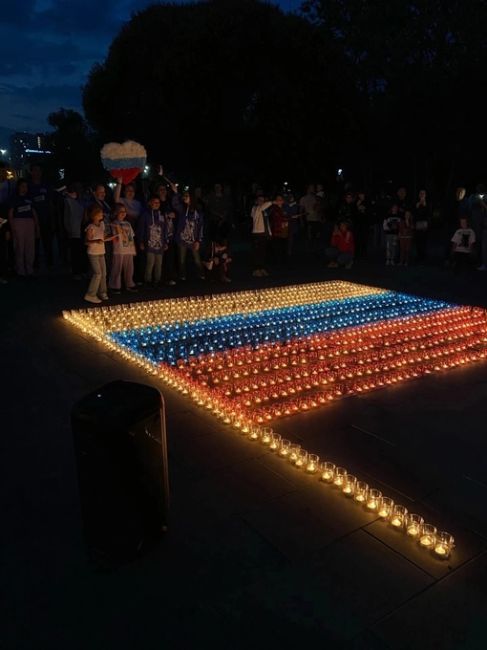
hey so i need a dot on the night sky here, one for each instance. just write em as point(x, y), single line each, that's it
point(47, 47)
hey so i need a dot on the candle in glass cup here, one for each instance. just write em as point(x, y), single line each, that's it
point(349, 484)
point(414, 525)
point(444, 544)
point(385, 507)
point(275, 442)
point(428, 536)
point(254, 433)
point(284, 448)
point(373, 499)
point(302, 458)
point(312, 464)
point(294, 453)
point(266, 436)
point(361, 491)
point(327, 472)
point(339, 476)
point(398, 516)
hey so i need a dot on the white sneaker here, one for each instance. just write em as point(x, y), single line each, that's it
point(93, 299)
point(104, 296)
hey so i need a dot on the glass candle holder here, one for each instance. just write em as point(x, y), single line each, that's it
point(427, 538)
point(361, 491)
point(294, 453)
point(373, 500)
point(398, 517)
point(349, 484)
point(254, 433)
point(327, 472)
point(312, 464)
point(414, 525)
point(285, 448)
point(266, 436)
point(444, 545)
point(301, 460)
point(275, 442)
point(386, 506)
point(339, 476)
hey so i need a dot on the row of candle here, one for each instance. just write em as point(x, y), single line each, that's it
point(413, 525)
point(156, 312)
point(171, 343)
point(378, 338)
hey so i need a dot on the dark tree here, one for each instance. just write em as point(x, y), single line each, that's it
point(420, 71)
point(224, 90)
point(74, 147)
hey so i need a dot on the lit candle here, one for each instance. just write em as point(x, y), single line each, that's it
point(312, 464)
point(339, 476)
point(361, 490)
point(444, 544)
point(327, 472)
point(373, 499)
point(348, 486)
point(428, 536)
point(285, 448)
point(266, 436)
point(414, 525)
point(275, 442)
point(294, 453)
point(385, 507)
point(398, 516)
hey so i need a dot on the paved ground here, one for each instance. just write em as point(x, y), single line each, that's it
point(257, 555)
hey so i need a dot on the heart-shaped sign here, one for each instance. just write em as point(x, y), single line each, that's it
point(125, 160)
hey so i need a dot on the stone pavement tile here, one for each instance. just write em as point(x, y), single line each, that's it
point(308, 519)
point(466, 499)
point(468, 544)
point(335, 593)
point(451, 615)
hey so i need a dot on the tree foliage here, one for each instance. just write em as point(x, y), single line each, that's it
point(224, 89)
point(419, 67)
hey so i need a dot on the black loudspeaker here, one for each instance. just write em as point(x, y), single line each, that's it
point(121, 452)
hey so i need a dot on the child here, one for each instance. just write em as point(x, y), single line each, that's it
point(25, 228)
point(189, 234)
point(342, 248)
point(123, 251)
point(95, 241)
point(406, 228)
point(463, 245)
point(220, 261)
point(391, 228)
point(151, 235)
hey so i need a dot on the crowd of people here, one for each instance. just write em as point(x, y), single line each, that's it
point(128, 236)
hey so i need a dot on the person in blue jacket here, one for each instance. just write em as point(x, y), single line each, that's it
point(189, 234)
point(151, 235)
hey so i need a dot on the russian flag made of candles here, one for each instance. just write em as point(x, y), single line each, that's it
point(254, 357)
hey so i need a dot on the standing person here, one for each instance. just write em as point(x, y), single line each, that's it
point(151, 235)
point(422, 217)
point(401, 200)
point(189, 235)
point(261, 233)
point(478, 219)
point(167, 202)
point(406, 230)
point(41, 196)
point(73, 220)
point(456, 209)
point(95, 238)
point(123, 251)
point(391, 230)
point(24, 227)
point(309, 205)
point(462, 245)
point(6, 192)
point(98, 197)
point(133, 206)
point(342, 247)
point(293, 213)
point(363, 224)
point(279, 223)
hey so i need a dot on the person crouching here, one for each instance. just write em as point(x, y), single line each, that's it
point(342, 247)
